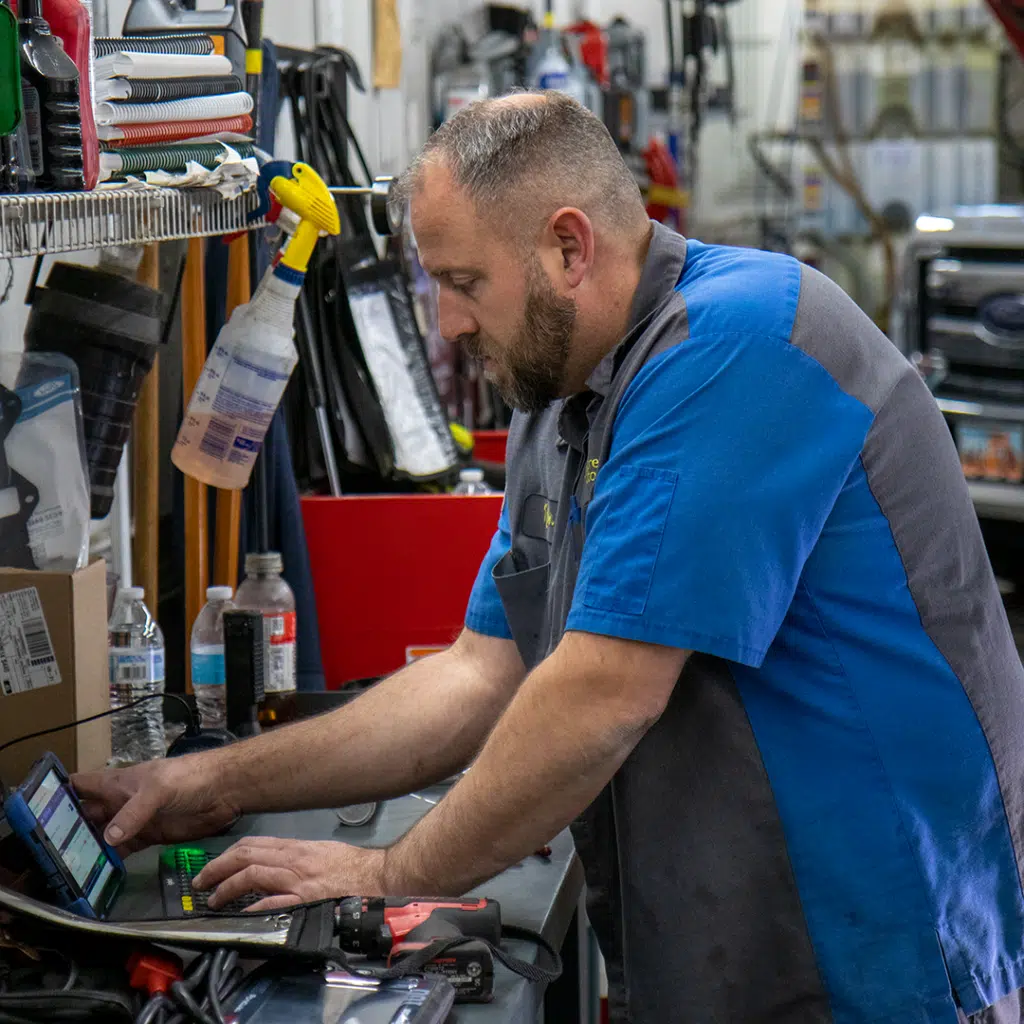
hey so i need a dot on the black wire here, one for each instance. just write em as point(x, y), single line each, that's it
point(13, 1018)
point(211, 982)
point(193, 720)
point(670, 42)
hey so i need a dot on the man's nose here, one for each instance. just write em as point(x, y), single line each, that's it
point(453, 320)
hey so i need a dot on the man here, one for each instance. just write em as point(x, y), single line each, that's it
point(736, 623)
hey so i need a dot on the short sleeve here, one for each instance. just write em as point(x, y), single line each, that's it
point(727, 455)
point(485, 613)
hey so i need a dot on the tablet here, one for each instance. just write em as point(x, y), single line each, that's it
point(83, 873)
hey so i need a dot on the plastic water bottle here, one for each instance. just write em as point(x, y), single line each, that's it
point(136, 658)
point(471, 481)
point(207, 649)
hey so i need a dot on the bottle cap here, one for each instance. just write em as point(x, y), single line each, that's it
point(257, 564)
point(133, 593)
point(219, 593)
point(471, 476)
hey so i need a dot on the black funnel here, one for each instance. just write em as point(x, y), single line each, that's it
point(112, 327)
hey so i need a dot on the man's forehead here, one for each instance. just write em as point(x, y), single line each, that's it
point(446, 237)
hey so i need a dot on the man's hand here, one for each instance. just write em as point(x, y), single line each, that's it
point(156, 802)
point(291, 871)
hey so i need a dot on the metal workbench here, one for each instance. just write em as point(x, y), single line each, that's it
point(541, 894)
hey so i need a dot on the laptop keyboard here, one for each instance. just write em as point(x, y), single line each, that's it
point(178, 866)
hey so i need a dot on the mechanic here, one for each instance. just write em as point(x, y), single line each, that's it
point(736, 624)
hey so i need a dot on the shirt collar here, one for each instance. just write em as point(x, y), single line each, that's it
point(663, 266)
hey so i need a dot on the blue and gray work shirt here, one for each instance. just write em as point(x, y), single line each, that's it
point(826, 823)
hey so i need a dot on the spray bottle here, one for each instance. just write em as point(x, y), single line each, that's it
point(246, 373)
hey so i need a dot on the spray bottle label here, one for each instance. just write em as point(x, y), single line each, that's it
point(279, 627)
point(238, 394)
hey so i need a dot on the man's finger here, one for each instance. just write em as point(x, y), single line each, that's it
point(134, 816)
point(255, 878)
point(93, 785)
point(270, 842)
point(95, 811)
point(273, 903)
point(244, 853)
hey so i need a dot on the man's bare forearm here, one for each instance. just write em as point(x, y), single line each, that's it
point(418, 726)
point(571, 725)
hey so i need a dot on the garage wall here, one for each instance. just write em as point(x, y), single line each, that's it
point(392, 123)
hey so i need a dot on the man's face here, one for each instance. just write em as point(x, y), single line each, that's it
point(498, 302)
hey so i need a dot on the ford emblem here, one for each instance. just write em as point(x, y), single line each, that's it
point(1003, 316)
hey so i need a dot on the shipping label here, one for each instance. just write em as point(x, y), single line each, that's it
point(27, 661)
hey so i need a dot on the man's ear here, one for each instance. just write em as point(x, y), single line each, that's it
point(571, 232)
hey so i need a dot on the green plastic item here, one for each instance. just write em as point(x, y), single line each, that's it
point(10, 72)
point(10, 97)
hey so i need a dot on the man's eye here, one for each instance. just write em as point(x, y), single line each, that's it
point(464, 287)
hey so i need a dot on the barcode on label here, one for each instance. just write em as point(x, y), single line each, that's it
point(27, 659)
point(217, 439)
point(275, 625)
point(133, 673)
point(37, 640)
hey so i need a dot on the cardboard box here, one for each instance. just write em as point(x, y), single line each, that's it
point(53, 667)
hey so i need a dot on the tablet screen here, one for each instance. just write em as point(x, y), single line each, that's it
point(71, 838)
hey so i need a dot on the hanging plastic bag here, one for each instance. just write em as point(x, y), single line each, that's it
point(44, 486)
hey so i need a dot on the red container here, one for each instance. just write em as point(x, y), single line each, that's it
point(489, 445)
point(392, 575)
point(69, 22)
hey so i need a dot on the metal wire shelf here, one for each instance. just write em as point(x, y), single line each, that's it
point(68, 221)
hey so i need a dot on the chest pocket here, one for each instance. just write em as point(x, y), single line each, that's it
point(535, 531)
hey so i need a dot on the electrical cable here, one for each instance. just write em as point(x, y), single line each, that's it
point(670, 39)
point(193, 728)
point(29, 994)
point(211, 982)
point(9, 283)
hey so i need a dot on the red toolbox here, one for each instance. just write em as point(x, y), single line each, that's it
point(392, 574)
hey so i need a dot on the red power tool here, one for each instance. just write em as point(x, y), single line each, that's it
point(392, 929)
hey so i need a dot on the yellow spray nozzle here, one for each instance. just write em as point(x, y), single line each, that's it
point(306, 195)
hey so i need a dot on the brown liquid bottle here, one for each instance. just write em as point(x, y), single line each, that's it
point(264, 590)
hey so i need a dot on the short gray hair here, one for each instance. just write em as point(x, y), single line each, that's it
point(557, 149)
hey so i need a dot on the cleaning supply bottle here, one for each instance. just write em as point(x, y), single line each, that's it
point(248, 369)
point(71, 22)
point(53, 116)
point(552, 70)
